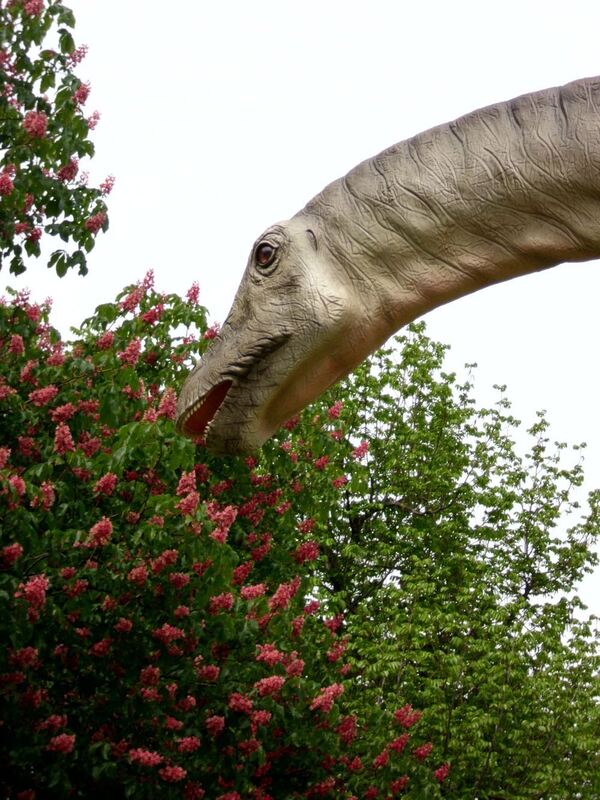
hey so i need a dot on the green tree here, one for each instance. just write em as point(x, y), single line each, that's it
point(448, 553)
point(44, 133)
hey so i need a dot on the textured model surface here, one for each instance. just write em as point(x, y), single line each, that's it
point(504, 191)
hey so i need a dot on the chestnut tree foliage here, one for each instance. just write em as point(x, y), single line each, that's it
point(44, 133)
point(160, 605)
point(184, 625)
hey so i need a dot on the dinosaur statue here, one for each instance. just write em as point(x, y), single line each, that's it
point(504, 191)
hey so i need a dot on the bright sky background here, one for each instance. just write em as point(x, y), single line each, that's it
point(219, 118)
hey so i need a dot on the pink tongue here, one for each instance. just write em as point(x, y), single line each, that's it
point(196, 424)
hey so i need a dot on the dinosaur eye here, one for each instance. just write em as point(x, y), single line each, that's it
point(265, 254)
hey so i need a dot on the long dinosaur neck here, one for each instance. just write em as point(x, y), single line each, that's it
point(504, 191)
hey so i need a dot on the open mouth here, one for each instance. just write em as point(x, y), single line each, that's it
point(204, 411)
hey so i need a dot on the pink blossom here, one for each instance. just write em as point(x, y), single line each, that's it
point(213, 331)
point(34, 590)
point(48, 495)
point(107, 184)
point(168, 633)
point(68, 171)
point(307, 551)
point(166, 559)
point(214, 725)
point(347, 729)
point(35, 124)
point(43, 396)
point(81, 94)
point(188, 744)
point(179, 579)
point(406, 716)
point(269, 686)
point(181, 612)
point(18, 484)
point(4, 456)
point(220, 602)
point(361, 450)
point(106, 484)
point(6, 185)
point(399, 743)
point(63, 441)
point(261, 717)
point(53, 723)
point(101, 648)
point(253, 592)
point(334, 411)
point(95, 222)
point(131, 353)
point(209, 673)
point(62, 413)
point(33, 8)
point(93, 120)
point(100, 533)
point(193, 293)
point(63, 743)
point(239, 702)
point(123, 625)
point(145, 758)
point(149, 676)
point(188, 504)
point(172, 724)
point(168, 404)
point(283, 594)
point(381, 760)
point(295, 668)
point(321, 463)
point(421, 752)
point(138, 575)
point(269, 654)
point(442, 772)
point(105, 341)
point(241, 572)
point(187, 483)
point(25, 657)
point(153, 315)
point(337, 483)
point(324, 700)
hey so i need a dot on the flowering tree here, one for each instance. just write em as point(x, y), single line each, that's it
point(159, 605)
point(44, 133)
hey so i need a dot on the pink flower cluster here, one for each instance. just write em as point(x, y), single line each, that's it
point(100, 533)
point(307, 551)
point(267, 687)
point(41, 397)
point(325, 699)
point(33, 8)
point(283, 595)
point(131, 354)
point(95, 222)
point(145, 758)
point(406, 716)
point(35, 124)
point(6, 185)
point(62, 743)
point(34, 591)
point(220, 602)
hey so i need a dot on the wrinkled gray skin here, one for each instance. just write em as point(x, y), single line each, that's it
point(504, 191)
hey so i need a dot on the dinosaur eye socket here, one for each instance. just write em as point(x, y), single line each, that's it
point(265, 254)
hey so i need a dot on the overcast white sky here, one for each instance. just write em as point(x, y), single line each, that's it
point(219, 118)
